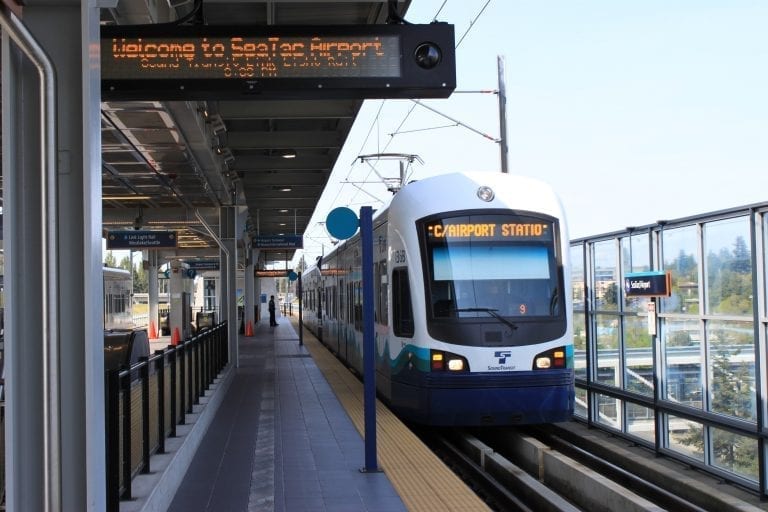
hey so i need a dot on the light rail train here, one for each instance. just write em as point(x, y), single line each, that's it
point(118, 288)
point(473, 322)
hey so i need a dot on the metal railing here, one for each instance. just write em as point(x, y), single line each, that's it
point(683, 374)
point(288, 308)
point(145, 403)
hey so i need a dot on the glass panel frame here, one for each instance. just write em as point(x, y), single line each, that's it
point(728, 267)
point(685, 437)
point(635, 257)
point(735, 453)
point(608, 361)
point(640, 422)
point(681, 258)
point(638, 356)
point(683, 371)
point(605, 276)
point(731, 366)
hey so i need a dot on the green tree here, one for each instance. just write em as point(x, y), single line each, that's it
point(125, 263)
point(731, 395)
point(140, 279)
point(109, 260)
point(742, 260)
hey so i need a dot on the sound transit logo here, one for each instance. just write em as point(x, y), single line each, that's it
point(502, 356)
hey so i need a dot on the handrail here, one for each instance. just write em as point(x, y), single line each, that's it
point(51, 373)
point(192, 367)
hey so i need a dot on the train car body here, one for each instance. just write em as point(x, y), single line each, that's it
point(118, 288)
point(473, 320)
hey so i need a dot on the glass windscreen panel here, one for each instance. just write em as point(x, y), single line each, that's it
point(492, 265)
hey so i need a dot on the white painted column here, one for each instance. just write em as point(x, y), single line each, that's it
point(248, 278)
point(55, 416)
point(228, 255)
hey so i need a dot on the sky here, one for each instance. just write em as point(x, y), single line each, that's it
point(632, 111)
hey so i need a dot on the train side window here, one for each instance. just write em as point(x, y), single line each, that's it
point(358, 312)
point(402, 310)
point(382, 279)
point(376, 286)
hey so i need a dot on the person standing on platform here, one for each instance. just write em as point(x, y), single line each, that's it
point(272, 321)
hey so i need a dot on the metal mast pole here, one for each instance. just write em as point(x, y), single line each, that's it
point(502, 114)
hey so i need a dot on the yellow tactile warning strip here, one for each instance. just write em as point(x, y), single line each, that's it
point(421, 479)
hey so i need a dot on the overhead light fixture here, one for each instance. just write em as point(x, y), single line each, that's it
point(286, 189)
point(138, 222)
point(288, 153)
point(217, 124)
point(127, 198)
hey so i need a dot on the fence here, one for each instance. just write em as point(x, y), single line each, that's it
point(694, 389)
point(145, 403)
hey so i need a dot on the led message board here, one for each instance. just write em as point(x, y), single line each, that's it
point(277, 62)
point(490, 230)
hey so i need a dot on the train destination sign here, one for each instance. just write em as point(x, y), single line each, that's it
point(648, 284)
point(490, 230)
point(237, 62)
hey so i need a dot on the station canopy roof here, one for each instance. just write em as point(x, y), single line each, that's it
point(171, 165)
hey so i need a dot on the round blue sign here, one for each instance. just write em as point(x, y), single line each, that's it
point(292, 276)
point(342, 223)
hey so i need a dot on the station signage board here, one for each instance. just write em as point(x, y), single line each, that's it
point(278, 242)
point(141, 239)
point(199, 265)
point(648, 284)
point(271, 273)
point(160, 62)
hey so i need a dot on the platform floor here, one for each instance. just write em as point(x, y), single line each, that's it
point(287, 437)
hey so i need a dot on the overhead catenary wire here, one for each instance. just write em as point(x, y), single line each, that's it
point(375, 123)
point(410, 111)
point(472, 23)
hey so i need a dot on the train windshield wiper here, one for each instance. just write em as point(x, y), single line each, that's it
point(490, 311)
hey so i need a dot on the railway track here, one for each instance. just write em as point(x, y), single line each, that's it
point(553, 469)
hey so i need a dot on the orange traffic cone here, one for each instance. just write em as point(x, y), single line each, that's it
point(249, 329)
point(176, 338)
point(152, 331)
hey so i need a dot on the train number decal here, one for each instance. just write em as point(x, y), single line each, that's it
point(398, 256)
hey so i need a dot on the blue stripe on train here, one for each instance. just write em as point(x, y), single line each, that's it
point(486, 398)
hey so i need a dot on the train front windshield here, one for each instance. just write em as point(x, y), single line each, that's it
point(496, 267)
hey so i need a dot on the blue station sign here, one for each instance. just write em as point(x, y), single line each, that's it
point(278, 242)
point(203, 264)
point(648, 284)
point(141, 240)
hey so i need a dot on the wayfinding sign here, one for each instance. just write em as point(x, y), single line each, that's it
point(141, 239)
point(277, 62)
point(286, 242)
point(648, 284)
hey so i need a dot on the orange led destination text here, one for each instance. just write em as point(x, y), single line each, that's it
point(240, 48)
point(489, 230)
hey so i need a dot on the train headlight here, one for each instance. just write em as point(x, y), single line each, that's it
point(485, 193)
point(440, 361)
point(554, 358)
